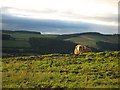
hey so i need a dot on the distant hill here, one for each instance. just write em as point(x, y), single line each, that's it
point(32, 43)
point(65, 36)
point(21, 31)
point(94, 40)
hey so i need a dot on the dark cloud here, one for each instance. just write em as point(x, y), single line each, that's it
point(52, 26)
point(17, 23)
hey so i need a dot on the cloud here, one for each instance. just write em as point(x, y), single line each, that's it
point(45, 10)
point(61, 16)
point(53, 26)
point(103, 19)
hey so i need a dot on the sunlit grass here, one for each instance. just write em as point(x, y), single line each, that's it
point(88, 70)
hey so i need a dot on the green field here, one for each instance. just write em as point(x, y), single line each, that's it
point(88, 70)
point(90, 40)
point(15, 43)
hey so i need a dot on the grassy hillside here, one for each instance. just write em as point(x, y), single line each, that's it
point(18, 43)
point(88, 70)
point(25, 35)
point(91, 38)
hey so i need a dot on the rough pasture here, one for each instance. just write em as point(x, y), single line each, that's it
point(88, 70)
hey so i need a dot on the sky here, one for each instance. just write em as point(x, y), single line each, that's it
point(60, 16)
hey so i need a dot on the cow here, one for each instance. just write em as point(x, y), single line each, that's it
point(81, 48)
